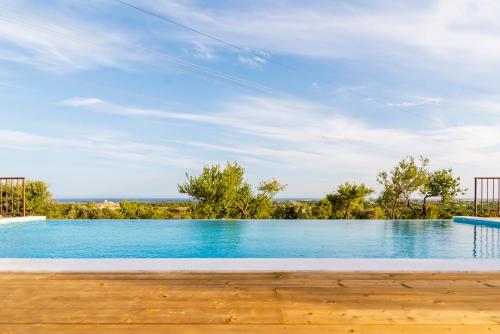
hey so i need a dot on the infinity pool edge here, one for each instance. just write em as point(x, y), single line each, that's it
point(246, 265)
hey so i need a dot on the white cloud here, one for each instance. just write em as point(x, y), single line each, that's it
point(98, 105)
point(98, 146)
point(61, 39)
point(252, 61)
point(296, 134)
point(203, 51)
point(454, 31)
point(416, 102)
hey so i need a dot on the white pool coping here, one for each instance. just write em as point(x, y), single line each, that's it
point(27, 219)
point(247, 265)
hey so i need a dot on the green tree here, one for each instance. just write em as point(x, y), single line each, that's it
point(221, 193)
point(135, 210)
point(347, 197)
point(271, 188)
point(400, 184)
point(322, 209)
point(441, 184)
point(262, 204)
point(293, 210)
point(224, 193)
point(38, 197)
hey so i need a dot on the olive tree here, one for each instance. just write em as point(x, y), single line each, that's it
point(347, 197)
point(262, 207)
point(224, 192)
point(441, 184)
point(38, 197)
point(401, 183)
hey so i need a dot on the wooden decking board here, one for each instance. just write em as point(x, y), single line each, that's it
point(315, 302)
point(257, 329)
point(327, 301)
point(341, 283)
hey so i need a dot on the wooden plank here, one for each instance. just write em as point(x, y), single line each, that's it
point(176, 293)
point(182, 283)
point(184, 315)
point(487, 302)
point(315, 302)
point(344, 283)
point(330, 291)
point(319, 316)
point(254, 329)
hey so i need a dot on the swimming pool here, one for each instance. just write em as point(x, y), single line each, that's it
point(416, 239)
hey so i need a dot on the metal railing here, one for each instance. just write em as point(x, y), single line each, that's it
point(12, 196)
point(486, 196)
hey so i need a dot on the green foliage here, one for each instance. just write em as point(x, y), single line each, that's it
point(322, 209)
point(348, 197)
point(293, 210)
point(220, 193)
point(441, 184)
point(123, 210)
point(410, 190)
point(261, 207)
point(283, 209)
point(408, 179)
point(374, 212)
point(38, 197)
point(400, 184)
point(262, 204)
point(444, 185)
point(224, 193)
point(136, 210)
point(271, 188)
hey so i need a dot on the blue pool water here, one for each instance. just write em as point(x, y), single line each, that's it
point(248, 239)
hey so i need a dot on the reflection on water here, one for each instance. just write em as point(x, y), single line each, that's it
point(418, 239)
point(222, 237)
point(486, 242)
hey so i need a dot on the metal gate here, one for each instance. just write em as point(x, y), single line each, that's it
point(12, 196)
point(486, 196)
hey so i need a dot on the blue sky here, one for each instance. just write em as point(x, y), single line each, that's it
point(101, 100)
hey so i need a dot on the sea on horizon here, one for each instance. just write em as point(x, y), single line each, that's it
point(149, 199)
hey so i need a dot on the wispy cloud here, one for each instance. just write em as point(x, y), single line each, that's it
point(416, 102)
point(203, 51)
point(103, 147)
point(254, 59)
point(60, 39)
point(98, 105)
point(463, 31)
point(302, 135)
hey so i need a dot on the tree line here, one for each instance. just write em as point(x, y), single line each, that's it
point(410, 190)
point(407, 190)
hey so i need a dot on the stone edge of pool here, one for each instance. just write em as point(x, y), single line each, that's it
point(247, 265)
point(26, 219)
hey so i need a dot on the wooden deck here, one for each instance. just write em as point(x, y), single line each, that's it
point(271, 303)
